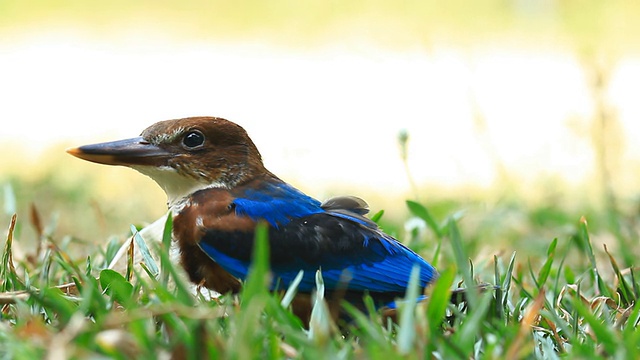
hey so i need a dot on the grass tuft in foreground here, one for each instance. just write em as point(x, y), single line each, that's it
point(569, 300)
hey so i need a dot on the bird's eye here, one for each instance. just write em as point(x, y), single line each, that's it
point(193, 139)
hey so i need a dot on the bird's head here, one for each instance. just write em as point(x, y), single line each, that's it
point(184, 155)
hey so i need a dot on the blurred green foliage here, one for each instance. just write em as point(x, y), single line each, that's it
point(61, 198)
point(587, 25)
point(55, 196)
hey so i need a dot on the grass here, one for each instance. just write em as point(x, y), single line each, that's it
point(554, 298)
point(560, 291)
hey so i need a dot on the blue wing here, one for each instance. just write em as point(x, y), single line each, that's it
point(349, 249)
point(275, 202)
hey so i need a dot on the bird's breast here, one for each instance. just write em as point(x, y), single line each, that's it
point(212, 209)
point(203, 211)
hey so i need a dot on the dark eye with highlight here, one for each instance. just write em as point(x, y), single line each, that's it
point(193, 139)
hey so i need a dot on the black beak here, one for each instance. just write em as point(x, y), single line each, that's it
point(136, 151)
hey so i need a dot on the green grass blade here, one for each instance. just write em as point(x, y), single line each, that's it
point(165, 262)
point(420, 211)
point(586, 241)
point(145, 252)
point(407, 310)
point(543, 274)
point(506, 284)
point(498, 291)
point(462, 262)
point(9, 279)
point(604, 335)
point(258, 277)
point(116, 286)
point(364, 327)
point(377, 216)
point(632, 321)
point(436, 254)
point(320, 322)
point(473, 323)
point(292, 290)
point(57, 306)
point(438, 301)
point(626, 292)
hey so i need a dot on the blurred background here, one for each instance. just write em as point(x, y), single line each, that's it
point(519, 113)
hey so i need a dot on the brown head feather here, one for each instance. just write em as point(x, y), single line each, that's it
point(227, 156)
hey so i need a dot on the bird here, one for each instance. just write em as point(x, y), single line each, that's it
point(218, 191)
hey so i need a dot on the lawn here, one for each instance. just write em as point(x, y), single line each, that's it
point(556, 281)
point(526, 271)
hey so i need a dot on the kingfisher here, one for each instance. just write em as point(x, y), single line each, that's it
point(218, 190)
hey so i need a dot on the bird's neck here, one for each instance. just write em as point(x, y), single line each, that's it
point(176, 186)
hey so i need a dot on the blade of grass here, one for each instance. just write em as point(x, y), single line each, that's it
point(462, 262)
point(377, 216)
point(420, 211)
point(131, 255)
point(8, 275)
point(543, 274)
point(632, 321)
point(56, 305)
point(292, 290)
point(407, 309)
point(636, 289)
point(320, 321)
point(258, 277)
point(586, 240)
point(438, 301)
point(365, 326)
point(630, 335)
point(625, 291)
point(556, 284)
point(499, 307)
point(166, 246)
point(515, 350)
point(603, 334)
point(182, 289)
point(472, 325)
point(506, 284)
point(436, 254)
point(145, 252)
point(116, 286)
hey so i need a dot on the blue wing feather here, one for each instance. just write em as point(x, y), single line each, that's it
point(373, 261)
point(348, 248)
point(387, 276)
point(277, 203)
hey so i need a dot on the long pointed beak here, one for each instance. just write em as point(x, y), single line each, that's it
point(135, 151)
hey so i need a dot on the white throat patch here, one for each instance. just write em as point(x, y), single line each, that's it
point(177, 187)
